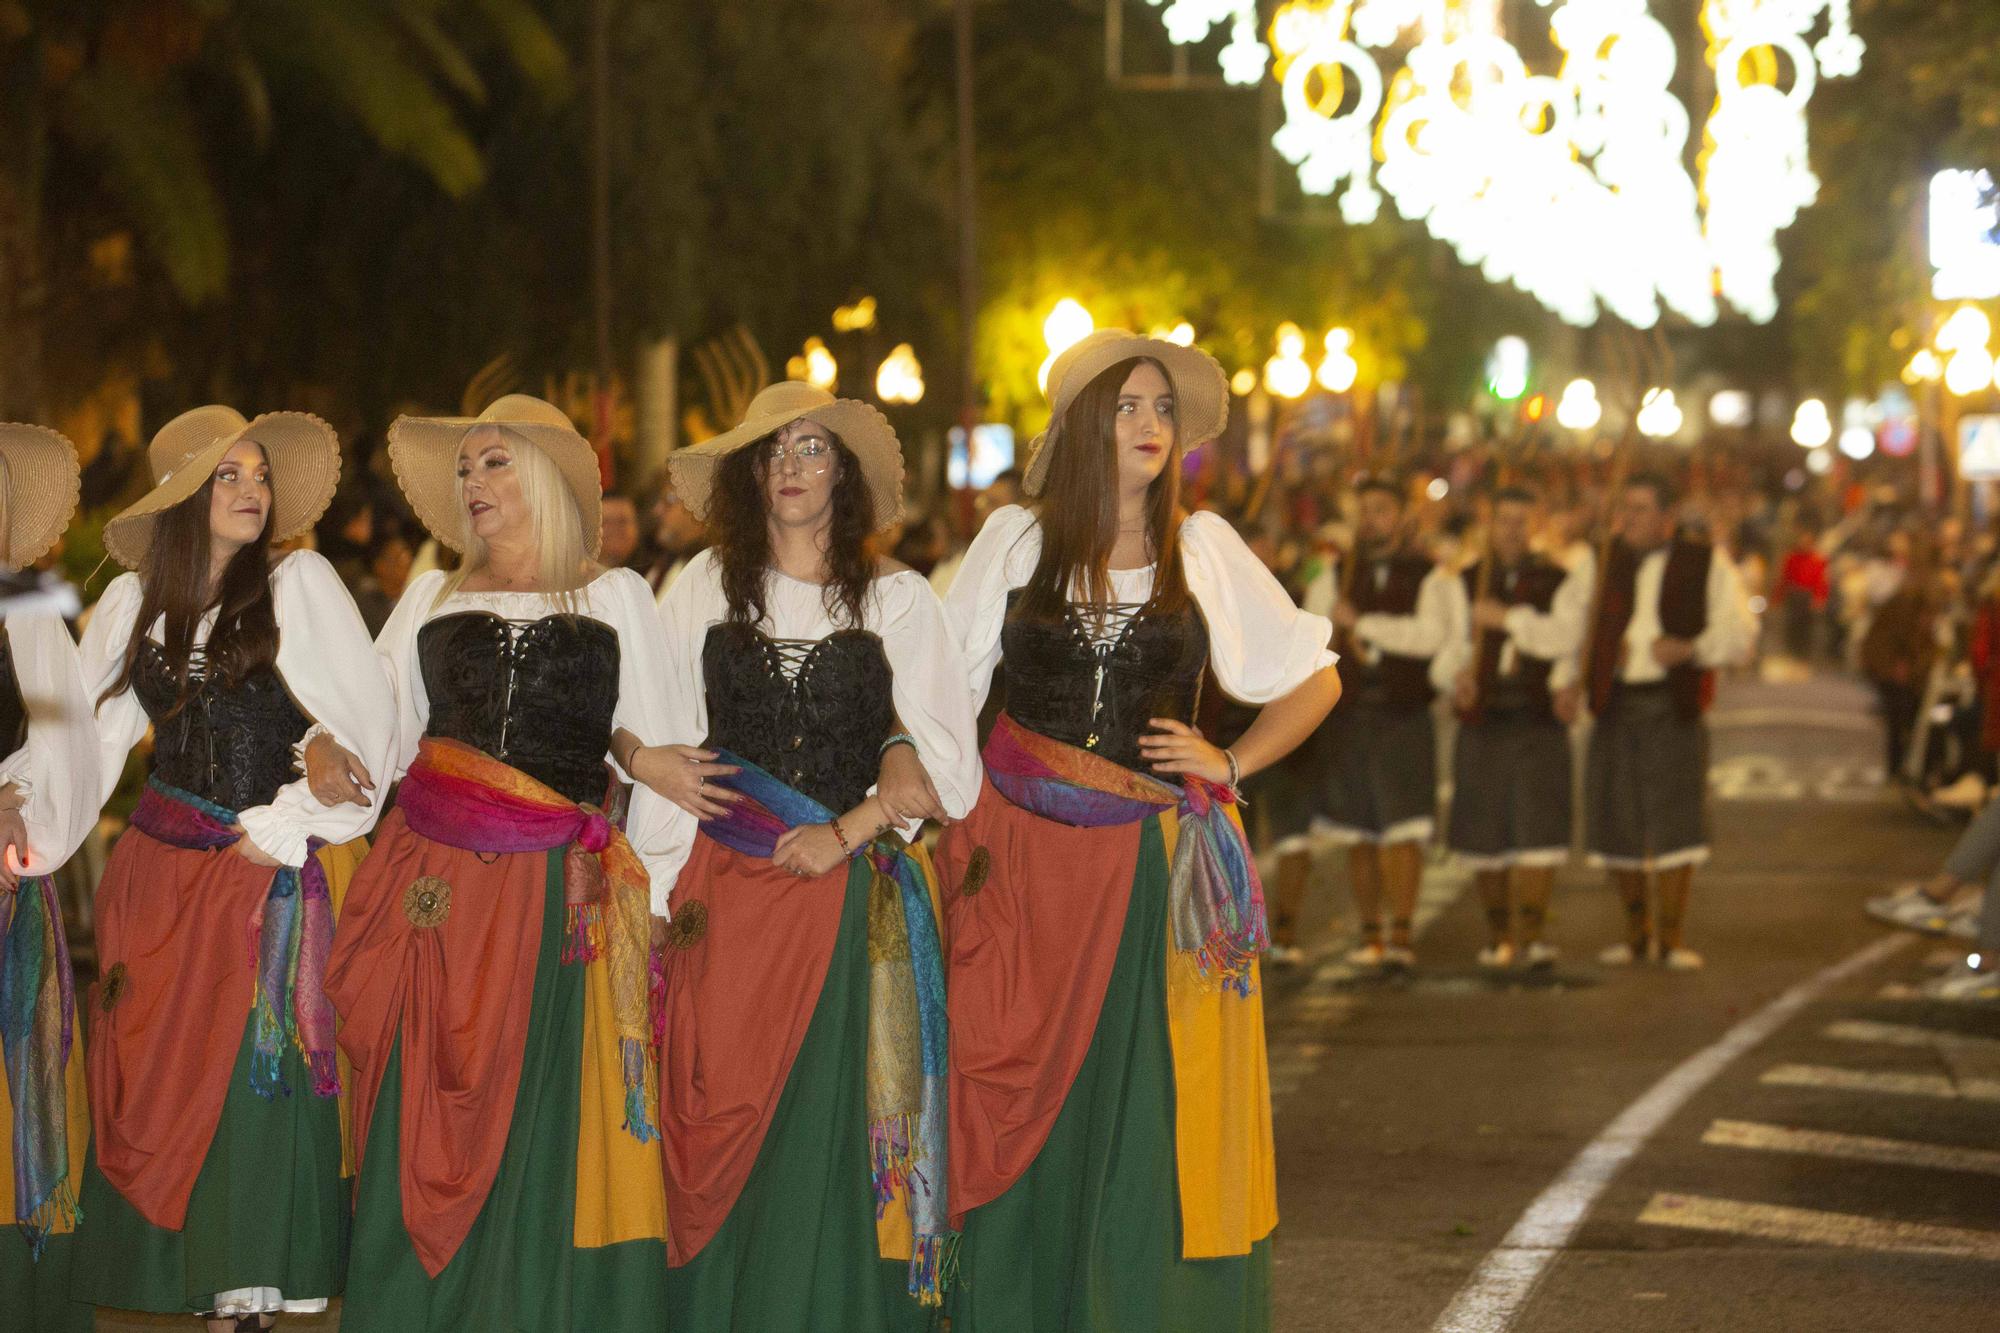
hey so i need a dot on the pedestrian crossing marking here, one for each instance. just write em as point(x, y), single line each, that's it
point(1850, 1147)
point(1809, 1226)
point(1907, 1034)
point(1862, 1080)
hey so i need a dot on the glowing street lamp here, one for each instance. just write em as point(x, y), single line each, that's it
point(1578, 408)
point(815, 365)
point(1969, 371)
point(1507, 369)
point(1924, 368)
point(1287, 375)
point(1243, 383)
point(901, 378)
point(1067, 325)
point(1181, 334)
point(1811, 426)
point(1337, 372)
point(1968, 327)
point(1660, 417)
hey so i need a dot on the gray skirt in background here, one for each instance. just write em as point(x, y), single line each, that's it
point(1378, 773)
point(1511, 784)
point(1646, 784)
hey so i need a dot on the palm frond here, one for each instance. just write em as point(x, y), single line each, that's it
point(532, 44)
point(146, 136)
point(450, 62)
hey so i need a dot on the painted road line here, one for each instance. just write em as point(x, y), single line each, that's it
point(1907, 1034)
point(1807, 1226)
point(1506, 1278)
point(1836, 1079)
point(1850, 1147)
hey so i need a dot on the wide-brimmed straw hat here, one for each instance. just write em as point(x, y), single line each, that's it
point(424, 451)
point(43, 481)
point(865, 431)
point(302, 450)
point(1201, 390)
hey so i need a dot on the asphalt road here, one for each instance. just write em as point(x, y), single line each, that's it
point(1832, 1166)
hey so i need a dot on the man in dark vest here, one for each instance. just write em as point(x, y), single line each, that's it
point(1510, 806)
point(1669, 613)
point(1396, 610)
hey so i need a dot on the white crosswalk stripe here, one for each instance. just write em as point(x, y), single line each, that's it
point(1836, 1079)
point(1808, 1226)
point(1906, 1034)
point(1850, 1147)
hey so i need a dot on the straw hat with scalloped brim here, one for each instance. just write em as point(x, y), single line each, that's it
point(302, 450)
point(865, 431)
point(1201, 390)
point(424, 451)
point(43, 482)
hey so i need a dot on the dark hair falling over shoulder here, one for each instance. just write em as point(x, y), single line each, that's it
point(174, 583)
point(739, 523)
point(1078, 510)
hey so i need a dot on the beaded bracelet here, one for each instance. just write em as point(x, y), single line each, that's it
point(840, 838)
point(900, 738)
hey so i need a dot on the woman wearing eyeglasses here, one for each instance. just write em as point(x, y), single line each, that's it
point(1110, 1105)
point(804, 1025)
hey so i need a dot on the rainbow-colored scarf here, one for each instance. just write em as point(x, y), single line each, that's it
point(37, 1025)
point(1214, 897)
point(465, 798)
point(907, 1046)
point(291, 935)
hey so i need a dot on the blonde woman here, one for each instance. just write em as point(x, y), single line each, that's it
point(48, 802)
point(491, 971)
point(215, 1135)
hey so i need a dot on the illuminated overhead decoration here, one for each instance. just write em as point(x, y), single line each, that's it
point(1570, 186)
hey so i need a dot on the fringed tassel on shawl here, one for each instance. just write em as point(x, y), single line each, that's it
point(1215, 896)
point(60, 1210)
point(583, 933)
point(277, 964)
point(640, 1114)
point(933, 1267)
point(892, 1154)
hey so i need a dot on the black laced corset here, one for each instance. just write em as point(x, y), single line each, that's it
point(811, 712)
point(536, 694)
point(1095, 679)
point(13, 708)
point(229, 746)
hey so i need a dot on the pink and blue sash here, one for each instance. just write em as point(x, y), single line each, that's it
point(293, 937)
point(1215, 898)
point(37, 1026)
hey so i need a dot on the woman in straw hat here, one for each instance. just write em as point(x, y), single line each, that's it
point(1110, 1106)
point(48, 802)
point(215, 1184)
point(804, 1022)
point(491, 971)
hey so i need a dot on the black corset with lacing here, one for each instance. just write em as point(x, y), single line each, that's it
point(536, 694)
point(13, 708)
point(229, 746)
point(1096, 686)
point(812, 713)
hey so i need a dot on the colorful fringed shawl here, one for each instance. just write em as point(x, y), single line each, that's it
point(1214, 897)
point(291, 935)
point(907, 1047)
point(37, 1026)
point(464, 798)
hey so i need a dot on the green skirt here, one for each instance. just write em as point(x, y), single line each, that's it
point(268, 1209)
point(34, 1293)
point(519, 1267)
point(1089, 1236)
point(798, 1251)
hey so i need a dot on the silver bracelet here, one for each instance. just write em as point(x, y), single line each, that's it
point(900, 738)
point(1235, 773)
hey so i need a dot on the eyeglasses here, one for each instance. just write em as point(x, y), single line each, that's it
point(812, 453)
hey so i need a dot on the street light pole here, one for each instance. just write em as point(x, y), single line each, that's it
point(600, 228)
point(968, 227)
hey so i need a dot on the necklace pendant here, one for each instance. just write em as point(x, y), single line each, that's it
point(1090, 741)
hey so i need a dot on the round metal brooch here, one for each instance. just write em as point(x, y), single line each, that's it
point(427, 902)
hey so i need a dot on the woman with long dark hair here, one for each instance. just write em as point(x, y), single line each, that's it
point(1110, 1103)
point(491, 971)
point(215, 1181)
point(804, 1023)
point(48, 803)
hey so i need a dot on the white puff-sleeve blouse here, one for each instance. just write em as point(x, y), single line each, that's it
point(928, 677)
point(56, 769)
point(1261, 645)
point(617, 598)
point(328, 666)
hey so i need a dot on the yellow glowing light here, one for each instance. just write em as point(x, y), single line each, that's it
point(1337, 371)
point(821, 370)
point(1287, 375)
point(1291, 340)
point(1969, 370)
point(857, 317)
point(1242, 382)
point(1967, 328)
point(1067, 325)
point(1924, 368)
point(1578, 409)
point(1811, 426)
point(901, 378)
